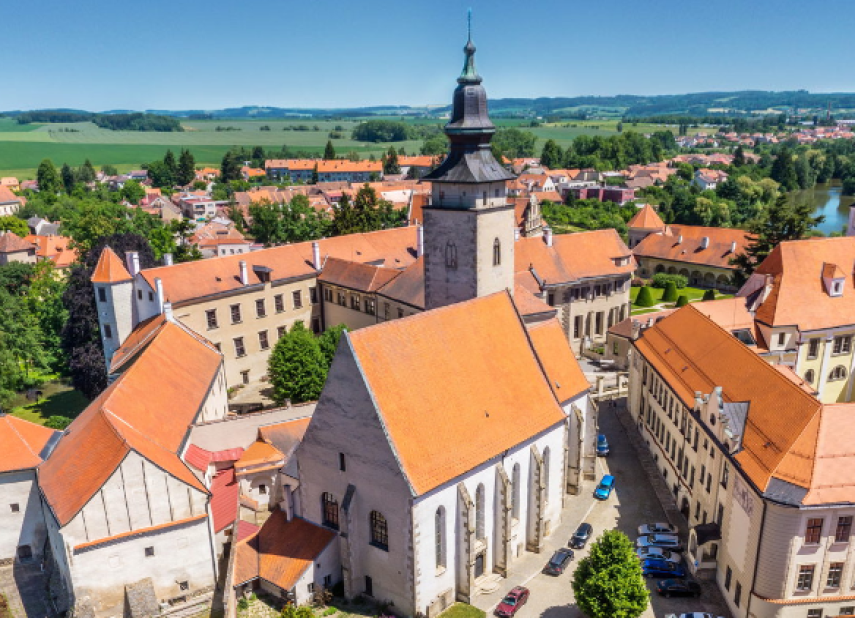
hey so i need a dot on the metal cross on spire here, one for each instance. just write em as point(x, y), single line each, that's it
point(469, 20)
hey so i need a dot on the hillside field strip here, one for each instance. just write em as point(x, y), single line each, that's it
point(23, 147)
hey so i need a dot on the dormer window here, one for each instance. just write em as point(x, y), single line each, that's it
point(837, 288)
point(832, 278)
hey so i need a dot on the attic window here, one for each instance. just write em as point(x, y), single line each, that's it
point(837, 288)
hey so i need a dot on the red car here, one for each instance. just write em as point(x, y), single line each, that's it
point(514, 600)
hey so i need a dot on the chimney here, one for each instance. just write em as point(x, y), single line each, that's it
point(516, 234)
point(167, 259)
point(420, 241)
point(705, 242)
point(167, 312)
point(244, 273)
point(158, 290)
point(680, 239)
point(132, 259)
point(733, 247)
point(547, 236)
point(316, 255)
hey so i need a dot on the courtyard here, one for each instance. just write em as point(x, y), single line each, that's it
point(634, 502)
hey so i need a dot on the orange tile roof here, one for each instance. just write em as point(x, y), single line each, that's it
point(693, 354)
point(646, 219)
point(130, 415)
point(22, 443)
point(494, 404)
point(573, 256)
point(142, 334)
point(285, 436)
point(668, 247)
point(524, 296)
point(833, 480)
point(325, 167)
point(798, 296)
point(281, 551)
point(259, 453)
point(12, 243)
point(565, 375)
point(55, 248)
point(6, 196)
point(419, 160)
point(394, 248)
point(408, 287)
point(110, 268)
point(356, 276)
point(138, 531)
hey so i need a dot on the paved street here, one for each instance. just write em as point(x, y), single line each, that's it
point(634, 502)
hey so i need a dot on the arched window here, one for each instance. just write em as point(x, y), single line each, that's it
point(450, 255)
point(329, 510)
point(546, 475)
point(497, 252)
point(480, 532)
point(809, 376)
point(379, 531)
point(516, 490)
point(838, 373)
point(439, 537)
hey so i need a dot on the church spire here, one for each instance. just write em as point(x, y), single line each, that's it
point(469, 74)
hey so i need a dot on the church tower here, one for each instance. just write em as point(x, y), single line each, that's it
point(469, 225)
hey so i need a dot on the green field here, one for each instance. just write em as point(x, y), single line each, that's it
point(22, 147)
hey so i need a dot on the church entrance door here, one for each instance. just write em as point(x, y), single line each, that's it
point(479, 565)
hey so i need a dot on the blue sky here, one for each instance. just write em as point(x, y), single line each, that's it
point(194, 54)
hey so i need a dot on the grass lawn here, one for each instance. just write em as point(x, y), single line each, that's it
point(462, 610)
point(58, 399)
point(694, 295)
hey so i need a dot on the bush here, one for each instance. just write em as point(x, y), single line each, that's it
point(58, 422)
point(709, 295)
point(670, 293)
point(660, 280)
point(645, 298)
point(682, 301)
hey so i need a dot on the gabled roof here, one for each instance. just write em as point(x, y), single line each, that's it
point(394, 248)
point(110, 268)
point(692, 354)
point(12, 243)
point(23, 443)
point(445, 374)
point(259, 453)
point(280, 552)
point(573, 256)
point(148, 409)
point(565, 375)
point(798, 296)
point(285, 436)
point(355, 275)
point(200, 458)
point(646, 219)
point(668, 246)
point(408, 287)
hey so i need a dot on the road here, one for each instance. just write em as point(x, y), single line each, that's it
point(632, 503)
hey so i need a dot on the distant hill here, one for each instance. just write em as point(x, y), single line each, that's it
point(700, 104)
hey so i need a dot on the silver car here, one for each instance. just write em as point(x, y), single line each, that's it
point(666, 541)
point(692, 615)
point(657, 528)
point(657, 552)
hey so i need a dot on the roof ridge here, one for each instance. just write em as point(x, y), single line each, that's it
point(20, 437)
point(533, 350)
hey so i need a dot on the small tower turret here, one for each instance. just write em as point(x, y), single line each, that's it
point(113, 287)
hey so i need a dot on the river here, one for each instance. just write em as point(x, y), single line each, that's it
point(828, 201)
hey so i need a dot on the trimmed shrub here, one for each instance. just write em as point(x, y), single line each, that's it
point(660, 280)
point(645, 298)
point(709, 295)
point(682, 301)
point(670, 293)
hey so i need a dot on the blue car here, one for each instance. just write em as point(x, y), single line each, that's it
point(602, 446)
point(654, 567)
point(604, 489)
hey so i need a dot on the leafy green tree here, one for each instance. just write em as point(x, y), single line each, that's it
point(68, 179)
point(160, 174)
point(785, 219)
point(784, 170)
point(608, 583)
point(297, 368)
point(329, 341)
point(738, 157)
point(513, 143)
point(435, 145)
point(15, 225)
point(229, 168)
point(86, 173)
point(645, 298)
point(186, 168)
point(58, 422)
point(171, 164)
point(390, 164)
point(133, 191)
point(670, 293)
point(682, 301)
point(315, 177)
point(48, 178)
point(344, 220)
point(109, 170)
point(329, 151)
point(551, 156)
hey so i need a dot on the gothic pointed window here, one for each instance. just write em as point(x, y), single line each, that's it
point(497, 252)
point(329, 510)
point(546, 454)
point(480, 500)
point(515, 493)
point(450, 255)
point(439, 537)
point(379, 531)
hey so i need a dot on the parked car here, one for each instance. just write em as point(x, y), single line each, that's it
point(559, 561)
point(512, 602)
point(604, 489)
point(658, 552)
point(581, 536)
point(678, 588)
point(602, 446)
point(692, 615)
point(665, 541)
point(657, 528)
point(655, 567)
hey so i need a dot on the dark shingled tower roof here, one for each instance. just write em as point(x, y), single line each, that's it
point(470, 159)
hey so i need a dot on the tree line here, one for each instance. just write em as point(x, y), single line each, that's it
point(115, 122)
